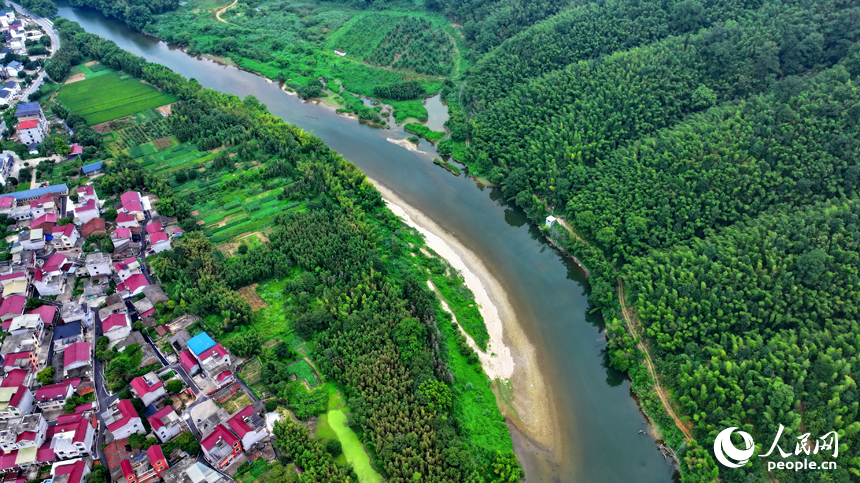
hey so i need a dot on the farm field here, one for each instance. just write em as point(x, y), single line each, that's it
point(108, 96)
point(303, 370)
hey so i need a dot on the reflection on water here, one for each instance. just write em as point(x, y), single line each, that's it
point(437, 113)
point(597, 421)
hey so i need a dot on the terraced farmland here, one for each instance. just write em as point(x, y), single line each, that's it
point(108, 97)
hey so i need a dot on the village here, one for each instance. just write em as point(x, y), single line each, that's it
point(63, 301)
point(76, 294)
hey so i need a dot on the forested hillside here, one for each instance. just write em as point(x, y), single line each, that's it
point(706, 158)
point(355, 286)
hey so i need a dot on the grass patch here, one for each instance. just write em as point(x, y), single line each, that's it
point(237, 402)
point(448, 166)
point(404, 110)
point(108, 97)
point(424, 131)
point(303, 370)
point(333, 425)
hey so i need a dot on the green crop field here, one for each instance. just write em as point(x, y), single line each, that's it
point(108, 97)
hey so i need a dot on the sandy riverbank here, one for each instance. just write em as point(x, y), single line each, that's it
point(510, 356)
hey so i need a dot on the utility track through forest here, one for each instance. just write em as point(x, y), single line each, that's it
point(635, 331)
point(219, 12)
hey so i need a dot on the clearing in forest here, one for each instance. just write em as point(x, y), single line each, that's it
point(251, 372)
point(333, 426)
point(249, 293)
point(107, 97)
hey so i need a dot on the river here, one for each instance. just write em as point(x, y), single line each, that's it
point(593, 414)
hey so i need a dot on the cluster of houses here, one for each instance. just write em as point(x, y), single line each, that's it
point(15, 36)
point(53, 291)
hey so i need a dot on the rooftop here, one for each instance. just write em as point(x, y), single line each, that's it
point(90, 168)
point(77, 352)
point(200, 343)
point(39, 192)
point(146, 384)
point(119, 415)
point(28, 109)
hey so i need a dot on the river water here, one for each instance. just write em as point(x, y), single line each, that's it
point(593, 412)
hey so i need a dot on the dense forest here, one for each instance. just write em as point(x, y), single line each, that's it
point(704, 154)
point(706, 158)
point(356, 288)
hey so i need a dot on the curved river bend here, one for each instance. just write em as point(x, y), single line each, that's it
point(596, 420)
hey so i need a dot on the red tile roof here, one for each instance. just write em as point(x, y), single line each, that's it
point(77, 352)
point(128, 413)
point(16, 398)
point(141, 387)
point(187, 360)
point(7, 202)
point(45, 454)
point(76, 149)
point(74, 470)
point(9, 359)
point(96, 225)
point(63, 230)
point(224, 375)
point(46, 218)
point(237, 422)
point(126, 468)
point(133, 283)
point(158, 237)
point(13, 304)
point(69, 418)
point(129, 196)
point(15, 377)
point(122, 232)
point(13, 276)
point(89, 205)
point(155, 419)
point(122, 218)
point(153, 228)
point(84, 407)
point(218, 350)
point(28, 124)
point(220, 432)
point(148, 312)
point(87, 190)
point(7, 460)
point(55, 262)
point(46, 312)
point(154, 452)
point(54, 391)
point(41, 201)
point(115, 320)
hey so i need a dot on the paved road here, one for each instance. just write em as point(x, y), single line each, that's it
point(102, 396)
point(55, 45)
point(43, 22)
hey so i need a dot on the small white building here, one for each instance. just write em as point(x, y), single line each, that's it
point(65, 236)
point(122, 420)
point(166, 424)
point(340, 52)
point(550, 221)
point(116, 327)
point(73, 436)
point(159, 242)
point(15, 402)
point(148, 388)
point(249, 426)
point(98, 264)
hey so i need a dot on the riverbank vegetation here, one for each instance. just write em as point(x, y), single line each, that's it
point(353, 291)
point(706, 157)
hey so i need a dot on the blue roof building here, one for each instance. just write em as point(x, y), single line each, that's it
point(93, 168)
point(28, 109)
point(200, 343)
point(40, 192)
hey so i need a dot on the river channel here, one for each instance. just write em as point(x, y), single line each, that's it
point(596, 420)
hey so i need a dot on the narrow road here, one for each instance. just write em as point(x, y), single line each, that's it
point(219, 12)
point(636, 331)
point(43, 22)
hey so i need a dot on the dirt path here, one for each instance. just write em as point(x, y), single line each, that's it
point(635, 331)
point(219, 12)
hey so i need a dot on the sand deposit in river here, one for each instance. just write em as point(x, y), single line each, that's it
point(509, 356)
